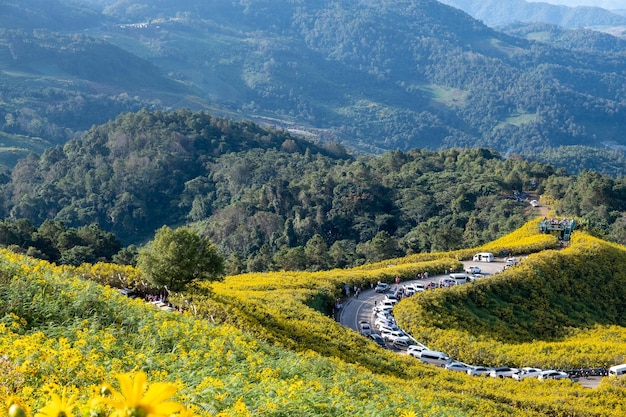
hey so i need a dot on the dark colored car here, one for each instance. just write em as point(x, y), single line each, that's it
point(379, 340)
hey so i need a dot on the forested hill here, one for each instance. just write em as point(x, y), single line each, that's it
point(504, 12)
point(271, 200)
point(373, 75)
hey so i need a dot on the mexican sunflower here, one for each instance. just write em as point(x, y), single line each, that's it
point(58, 406)
point(137, 399)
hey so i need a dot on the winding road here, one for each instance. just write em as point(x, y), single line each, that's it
point(362, 308)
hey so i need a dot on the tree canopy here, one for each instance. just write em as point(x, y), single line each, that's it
point(176, 258)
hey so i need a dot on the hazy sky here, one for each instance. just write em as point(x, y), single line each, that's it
point(606, 4)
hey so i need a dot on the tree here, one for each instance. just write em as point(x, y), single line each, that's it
point(316, 253)
point(175, 258)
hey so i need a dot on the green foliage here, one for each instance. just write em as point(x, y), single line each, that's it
point(176, 258)
point(55, 242)
point(376, 76)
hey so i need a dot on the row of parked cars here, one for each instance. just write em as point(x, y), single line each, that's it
point(386, 330)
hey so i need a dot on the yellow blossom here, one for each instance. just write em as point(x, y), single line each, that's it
point(58, 406)
point(137, 399)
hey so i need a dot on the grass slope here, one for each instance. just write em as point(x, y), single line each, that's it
point(59, 330)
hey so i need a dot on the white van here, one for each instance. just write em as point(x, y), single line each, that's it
point(618, 370)
point(483, 257)
point(459, 278)
point(434, 357)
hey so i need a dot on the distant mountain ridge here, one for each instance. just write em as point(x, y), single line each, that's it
point(371, 75)
point(504, 12)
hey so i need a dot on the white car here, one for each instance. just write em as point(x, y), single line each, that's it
point(458, 367)
point(503, 372)
point(473, 270)
point(411, 289)
point(394, 335)
point(527, 372)
point(479, 371)
point(382, 287)
point(415, 350)
point(382, 328)
point(380, 308)
point(364, 328)
point(552, 374)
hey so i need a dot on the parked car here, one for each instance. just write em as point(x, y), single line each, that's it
point(411, 289)
point(433, 357)
point(475, 277)
point(478, 371)
point(380, 307)
point(458, 367)
point(384, 315)
point(527, 372)
point(392, 301)
point(503, 372)
point(473, 270)
point(510, 262)
point(384, 322)
point(552, 374)
point(378, 340)
point(394, 335)
point(382, 328)
point(382, 287)
point(401, 343)
point(365, 328)
point(392, 297)
point(416, 349)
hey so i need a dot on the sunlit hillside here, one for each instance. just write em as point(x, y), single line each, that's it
point(263, 345)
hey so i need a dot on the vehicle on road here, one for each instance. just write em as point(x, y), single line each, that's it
point(618, 370)
point(382, 328)
point(478, 371)
point(378, 340)
point(510, 262)
point(472, 270)
point(475, 277)
point(459, 278)
point(552, 374)
point(382, 287)
point(384, 322)
point(380, 308)
point(415, 349)
point(390, 302)
point(483, 257)
point(411, 289)
point(365, 328)
point(526, 372)
point(457, 367)
point(394, 335)
point(503, 372)
point(401, 343)
point(434, 357)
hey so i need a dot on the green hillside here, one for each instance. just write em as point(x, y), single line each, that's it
point(60, 333)
point(374, 76)
point(270, 200)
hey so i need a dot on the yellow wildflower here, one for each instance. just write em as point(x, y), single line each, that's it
point(137, 399)
point(58, 406)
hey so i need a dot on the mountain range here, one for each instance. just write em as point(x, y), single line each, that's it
point(504, 12)
point(372, 75)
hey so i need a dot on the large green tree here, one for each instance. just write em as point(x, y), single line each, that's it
point(178, 257)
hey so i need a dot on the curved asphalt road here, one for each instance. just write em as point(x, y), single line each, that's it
point(357, 309)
